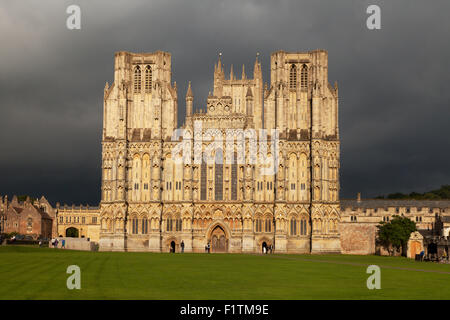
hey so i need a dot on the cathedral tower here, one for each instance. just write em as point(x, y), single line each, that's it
point(304, 107)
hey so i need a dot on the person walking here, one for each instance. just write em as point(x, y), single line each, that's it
point(63, 244)
point(209, 248)
point(182, 246)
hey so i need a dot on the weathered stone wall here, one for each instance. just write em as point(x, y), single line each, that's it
point(75, 244)
point(357, 238)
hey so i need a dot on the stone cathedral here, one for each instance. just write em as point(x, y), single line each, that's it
point(152, 201)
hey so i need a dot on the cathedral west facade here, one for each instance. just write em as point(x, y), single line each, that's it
point(208, 182)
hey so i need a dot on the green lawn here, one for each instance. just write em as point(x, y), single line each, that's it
point(40, 273)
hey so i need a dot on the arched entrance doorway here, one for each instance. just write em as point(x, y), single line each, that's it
point(172, 246)
point(72, 232)
point(264, 247)
point(219, 242)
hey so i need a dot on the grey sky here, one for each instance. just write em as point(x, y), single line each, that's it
point(394, 100)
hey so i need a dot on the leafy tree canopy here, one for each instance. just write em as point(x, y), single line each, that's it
point(396, 232)
point(440, 194)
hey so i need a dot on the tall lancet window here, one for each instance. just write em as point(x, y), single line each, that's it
point(137, 79)
point(148, 79)
point(304, 77)
point(218, 175)
point(293, 77)
point(203, 186)
point(234, 177)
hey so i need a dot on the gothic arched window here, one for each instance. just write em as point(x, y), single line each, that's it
point(304, 77)
point(203, 173)
point(135, 225)
point(137, 79)
point(293, 227)
point(234, 177)
point(148, 79)
point(293, 77)
point(218, 175)
point(303, 225)
point(144, 226)
point(268, 225)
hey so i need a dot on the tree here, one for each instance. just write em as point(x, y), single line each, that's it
point(395, 233)
point(440, 194)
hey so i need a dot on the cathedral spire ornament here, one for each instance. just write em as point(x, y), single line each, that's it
point(219, 63)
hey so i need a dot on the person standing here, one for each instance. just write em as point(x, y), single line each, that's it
point(209, 248)
point(182, 246)
point(63, 244)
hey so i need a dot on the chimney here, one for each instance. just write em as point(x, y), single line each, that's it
point(358, 197)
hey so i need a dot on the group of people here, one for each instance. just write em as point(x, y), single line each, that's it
point(208, 248)
point(55, 242)
point(268, 249)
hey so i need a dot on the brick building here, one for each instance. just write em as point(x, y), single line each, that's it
point(26, 217)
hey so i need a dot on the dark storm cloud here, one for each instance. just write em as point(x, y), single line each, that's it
point(394, 101)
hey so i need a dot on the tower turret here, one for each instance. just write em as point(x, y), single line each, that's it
point(189, 100)
point(219, 78)
point(249, 102)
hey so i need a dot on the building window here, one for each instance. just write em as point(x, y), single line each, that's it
point(293, 227)
point(144, 226)
point(94, 220)
point(234, 178)
point(258, 225)
point(268, 225)
point(83, 220)
point(218, 176)
point(203, 174)
point(61, 219)
point(303, 225)
point(148, 79)
point(304, 77)
point(134, 225)
point(137, 79)
point(293, 77)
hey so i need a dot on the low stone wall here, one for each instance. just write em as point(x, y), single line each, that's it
point(76, 244)
point(357, 238)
